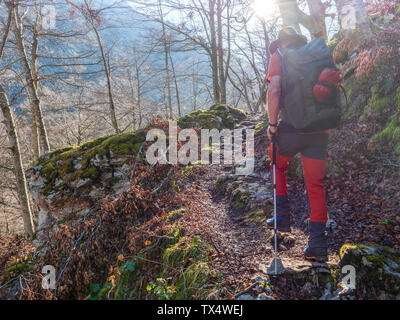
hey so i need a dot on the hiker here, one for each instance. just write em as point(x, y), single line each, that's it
point(311, 143)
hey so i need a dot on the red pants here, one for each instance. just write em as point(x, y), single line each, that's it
point(313, 154)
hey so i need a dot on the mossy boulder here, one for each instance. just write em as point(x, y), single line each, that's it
point(75, 179)
point(221, 184)
point(219, 117)
point(377, 269)
point(240, 199)
point(87, 161)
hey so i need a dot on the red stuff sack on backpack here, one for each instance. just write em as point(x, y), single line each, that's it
point(328, 82)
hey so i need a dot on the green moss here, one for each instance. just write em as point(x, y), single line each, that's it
point(49, 169)
point(175, 214)
point(258, 215)
point(390, 135)
point(341, 56)
point(188, 263)
point(222, 182)
point(60, 163)
point(376, 260)
point(240, 200)
point(333, 43)
point(377, 103)
point(190, 168)
point(349, 246)
point(218, 117)
point(90, 173)
point(261, 128)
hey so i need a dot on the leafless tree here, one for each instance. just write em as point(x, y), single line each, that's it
point(13, 137)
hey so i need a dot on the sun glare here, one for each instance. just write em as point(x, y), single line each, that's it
point(264, 8)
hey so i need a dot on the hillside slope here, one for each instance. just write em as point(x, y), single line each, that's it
point(116, 227)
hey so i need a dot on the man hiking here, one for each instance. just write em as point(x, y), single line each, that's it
point(310, 142)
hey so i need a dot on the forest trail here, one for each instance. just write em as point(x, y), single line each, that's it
point(242, 245)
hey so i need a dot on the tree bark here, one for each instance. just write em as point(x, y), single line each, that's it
point(19, 172)
point(178, 99)
point(108, 78)
point(318, 12)
point(222, 79)
point(353, 9)
point(166, 56)
point(36, 107)
point(288, 10)
point(34, 122)
point(214, 52)
point(293, 16)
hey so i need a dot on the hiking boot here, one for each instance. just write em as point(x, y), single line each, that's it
point(282, 223)
point(316, 254)
point(317, 243)
point(282, 215)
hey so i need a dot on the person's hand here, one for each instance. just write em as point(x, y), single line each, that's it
point(274, 131)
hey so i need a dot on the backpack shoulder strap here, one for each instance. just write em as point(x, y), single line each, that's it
point(345, 95)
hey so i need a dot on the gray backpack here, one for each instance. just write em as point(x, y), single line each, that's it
point(301, 69)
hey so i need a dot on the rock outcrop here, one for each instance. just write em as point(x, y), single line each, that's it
point(74, 180)
point(219, 117)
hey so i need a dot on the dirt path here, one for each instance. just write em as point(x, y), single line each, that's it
point(361, 212)
point(240, 247)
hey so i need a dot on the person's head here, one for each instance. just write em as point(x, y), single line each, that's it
point(288, 38)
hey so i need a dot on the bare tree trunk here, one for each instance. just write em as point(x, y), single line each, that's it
point(195, 75)
point(318, 12)
point(139, 97)
point(31, 79)
point(19, 172)
point(214, 52)
point(22, 188)
point(166, 55)
point(263, 92)
point(288, 10)
point(293, 16)
point(355, 12)
point(134, 103)
point(108, 78)
point(34, 122)
point(222, 80)
point(178, 100)
point(138, 90)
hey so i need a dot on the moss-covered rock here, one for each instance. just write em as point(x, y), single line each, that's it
point(377, 268)
point(87, 161)
point(73, 180)
point(240, 199)
point(217, 117)
point(221, 184)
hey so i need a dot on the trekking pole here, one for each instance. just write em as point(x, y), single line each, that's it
point(274, 185)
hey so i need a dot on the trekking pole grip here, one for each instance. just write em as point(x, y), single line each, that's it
point(274, 142)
